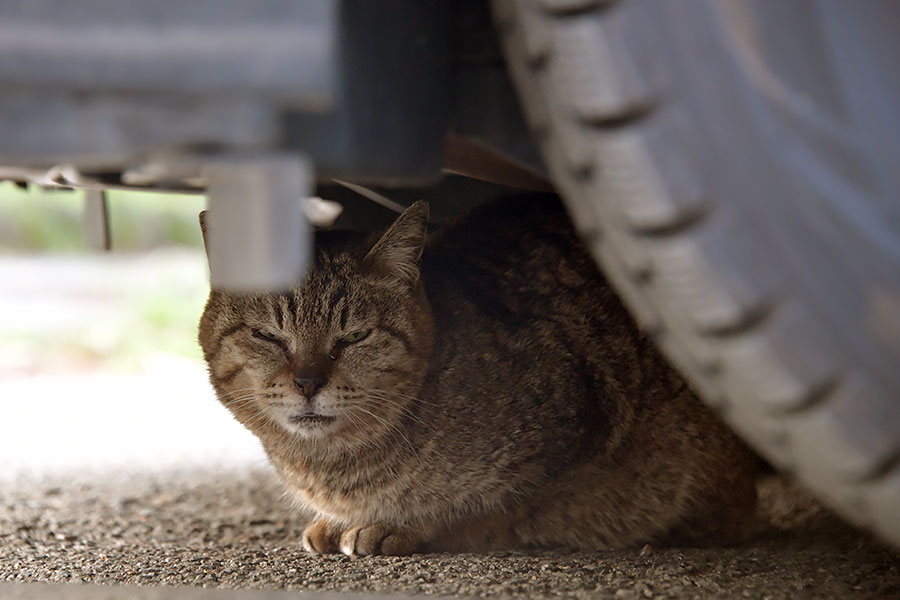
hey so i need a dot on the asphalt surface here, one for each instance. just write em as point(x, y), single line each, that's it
point(143, 479)
point(234, 530)
point(50, 591)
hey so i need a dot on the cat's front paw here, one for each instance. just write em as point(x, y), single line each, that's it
point(321, 537)
point(366, 540)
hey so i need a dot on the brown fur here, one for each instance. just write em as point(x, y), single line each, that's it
point(503, 399)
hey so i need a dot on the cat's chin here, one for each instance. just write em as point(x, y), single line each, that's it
point(310, 426)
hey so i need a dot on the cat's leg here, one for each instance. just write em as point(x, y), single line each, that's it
point(478, 533)
point(366, 540)
point(322, 537)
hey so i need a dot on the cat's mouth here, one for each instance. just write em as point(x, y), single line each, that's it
point(311, 419)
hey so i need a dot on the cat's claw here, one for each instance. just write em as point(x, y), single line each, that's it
point(367, 540)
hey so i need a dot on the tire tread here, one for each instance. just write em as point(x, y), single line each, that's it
point(607, 138)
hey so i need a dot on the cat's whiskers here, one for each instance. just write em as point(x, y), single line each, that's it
point(259, 421)
point(390, 403)
point(394, 475)
point(392, 429)
point(379, 399)
point(240, 402)
point(237, 391)
point(393, 396)
point(367, 443)
point(402, 395)
point(257, 410)
point(239, 398)
point(260, 417)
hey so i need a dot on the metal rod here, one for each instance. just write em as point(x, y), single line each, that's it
point(96, 221)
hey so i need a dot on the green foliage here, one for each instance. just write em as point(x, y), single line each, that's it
point(51, 220)
point(154, 305)
point(165, 317)
point(40, 219)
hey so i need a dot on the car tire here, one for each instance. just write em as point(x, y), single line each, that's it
point(734, 168)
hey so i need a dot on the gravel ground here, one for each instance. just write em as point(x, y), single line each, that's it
point(234, 529)
point(50, 591)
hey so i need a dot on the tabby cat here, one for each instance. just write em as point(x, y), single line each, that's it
point(484, 390)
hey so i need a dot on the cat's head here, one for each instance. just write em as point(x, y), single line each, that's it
point(339, 358)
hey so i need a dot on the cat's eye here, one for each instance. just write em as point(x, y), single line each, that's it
point(350, 338)
point(266, 336)
point(356, 336)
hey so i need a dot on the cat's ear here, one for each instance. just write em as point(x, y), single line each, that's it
point(204, 232)
point(398, 252)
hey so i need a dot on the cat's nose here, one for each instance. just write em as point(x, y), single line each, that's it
point(309, 387)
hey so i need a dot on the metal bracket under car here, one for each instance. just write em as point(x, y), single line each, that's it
point(257, 92)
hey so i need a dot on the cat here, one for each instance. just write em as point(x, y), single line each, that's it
point(486, 390)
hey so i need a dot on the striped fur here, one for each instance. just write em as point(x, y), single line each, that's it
point(503, 399)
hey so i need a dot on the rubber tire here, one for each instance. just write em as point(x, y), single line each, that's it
point(733, 167)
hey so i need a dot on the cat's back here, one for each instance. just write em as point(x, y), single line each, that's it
point(529, 330)
point(511, 258)
point(536, 347)
point(505, 230)
point(517, 265)
point(525, 314)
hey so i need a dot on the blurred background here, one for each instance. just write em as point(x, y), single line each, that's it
point(99, 363)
